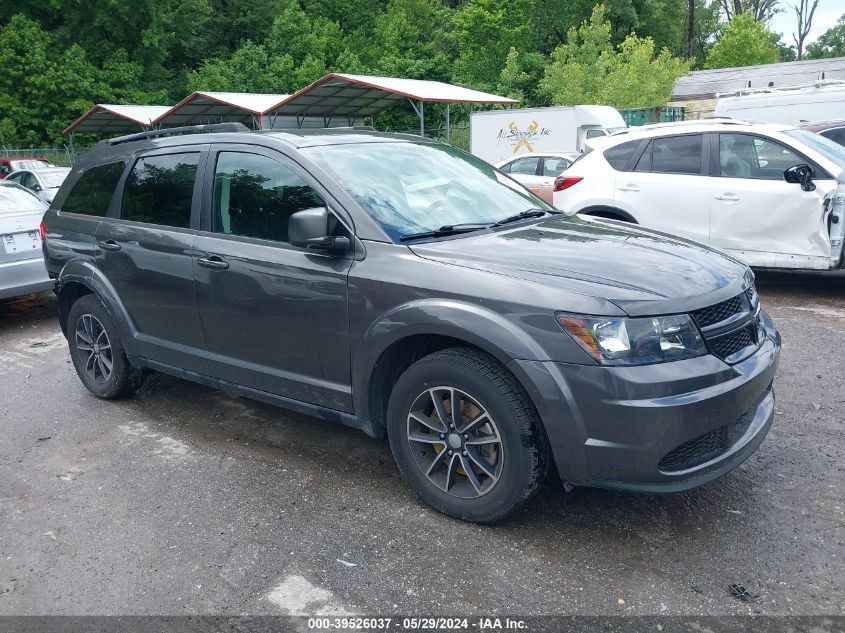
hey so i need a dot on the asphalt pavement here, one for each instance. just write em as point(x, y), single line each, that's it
point(182, 500)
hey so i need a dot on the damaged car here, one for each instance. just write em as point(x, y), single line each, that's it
point(771, 195)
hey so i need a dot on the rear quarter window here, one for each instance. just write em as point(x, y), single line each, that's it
point(620, 155)
point(92, 192)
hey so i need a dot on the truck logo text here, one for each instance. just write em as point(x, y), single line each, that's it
point(522, 140)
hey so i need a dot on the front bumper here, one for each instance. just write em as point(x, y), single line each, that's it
point(23, 276)
point(656, 428)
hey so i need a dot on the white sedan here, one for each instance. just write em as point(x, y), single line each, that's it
point(771, 195)
point(537, 171)
point(44, 182)
point(22, 268)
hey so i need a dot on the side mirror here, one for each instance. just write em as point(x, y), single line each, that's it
point(36, 187)
point(310, 229)
point(800, 174)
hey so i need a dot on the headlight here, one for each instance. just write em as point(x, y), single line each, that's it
point(621, 341)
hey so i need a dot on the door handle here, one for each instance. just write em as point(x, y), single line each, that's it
point(109, 245)
point(546, 184)
point(214, 262)
point(728, 197)
point(629, 188)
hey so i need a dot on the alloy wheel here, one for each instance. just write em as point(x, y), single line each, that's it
point(94, 348)
point(455, 442)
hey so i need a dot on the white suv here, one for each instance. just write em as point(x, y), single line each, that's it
point(771, 195)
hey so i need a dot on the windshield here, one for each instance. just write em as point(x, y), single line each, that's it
point(832, 151)
point(53, 179)
point(30, 164)
point(412, 188)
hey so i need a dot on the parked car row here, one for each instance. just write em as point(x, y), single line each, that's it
point(9, 165)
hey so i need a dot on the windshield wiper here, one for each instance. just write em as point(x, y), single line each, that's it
point(522, 215)
point(449, 229)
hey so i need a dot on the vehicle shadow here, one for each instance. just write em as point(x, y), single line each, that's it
point(801, 283)
point(27, 310)
point(261, 433)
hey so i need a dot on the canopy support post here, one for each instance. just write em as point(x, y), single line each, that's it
point(448, 126)
point(420, 113)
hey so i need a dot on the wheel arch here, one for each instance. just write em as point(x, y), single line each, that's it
point(406, 334)
point(79, 278)
point(609, 212)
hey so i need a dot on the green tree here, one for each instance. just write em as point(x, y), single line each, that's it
point(44, 88)
point(587, 68)
point(486, 30)
point(744, 42)
point(831, 43)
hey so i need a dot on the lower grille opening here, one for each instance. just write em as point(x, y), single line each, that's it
point(710, 445)
point(696, 451)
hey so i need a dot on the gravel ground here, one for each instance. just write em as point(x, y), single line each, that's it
point(182, 500)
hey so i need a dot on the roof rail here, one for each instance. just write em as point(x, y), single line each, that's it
point(821, 82)
point(188, 129)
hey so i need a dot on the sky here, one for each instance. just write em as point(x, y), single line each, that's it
point(825, 17)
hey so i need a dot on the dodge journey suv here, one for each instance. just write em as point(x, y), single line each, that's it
point(408, 289)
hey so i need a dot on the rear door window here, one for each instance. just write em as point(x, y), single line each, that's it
point(254, 196)
point(160, 189)
point(554, 165)
point(524, 166)
point(677, 154)
point(92, 193)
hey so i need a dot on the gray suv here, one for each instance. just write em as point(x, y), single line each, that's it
point(406, 288)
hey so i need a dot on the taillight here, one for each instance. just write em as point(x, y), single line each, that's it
point(565, 182)
point(42, 228)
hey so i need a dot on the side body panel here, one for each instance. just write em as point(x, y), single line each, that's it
point(275, 317)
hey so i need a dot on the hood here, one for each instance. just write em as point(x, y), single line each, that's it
point(644, 272)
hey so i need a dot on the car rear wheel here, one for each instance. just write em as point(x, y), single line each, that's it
point(466, 436)
point(97, 352)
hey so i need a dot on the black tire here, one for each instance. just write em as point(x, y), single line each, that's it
point(521, 457)
point(122, 380)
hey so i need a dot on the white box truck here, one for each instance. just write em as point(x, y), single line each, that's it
point(499, 134)
point(790, 106)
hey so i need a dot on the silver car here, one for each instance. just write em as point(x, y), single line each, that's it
point(22, 268)
point(44, 182)
point(537, 171)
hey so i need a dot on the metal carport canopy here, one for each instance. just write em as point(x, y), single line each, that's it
point(106, 118)
point(219, 107)
point(349, 96)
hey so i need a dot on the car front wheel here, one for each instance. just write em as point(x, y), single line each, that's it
point(466, 436)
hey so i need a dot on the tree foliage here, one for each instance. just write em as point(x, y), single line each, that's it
point(61, 56)
point(588, 68)
point(831, 43)
point(744, 42)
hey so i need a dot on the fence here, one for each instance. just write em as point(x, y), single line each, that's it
point(62, 156)
point(644, 116)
